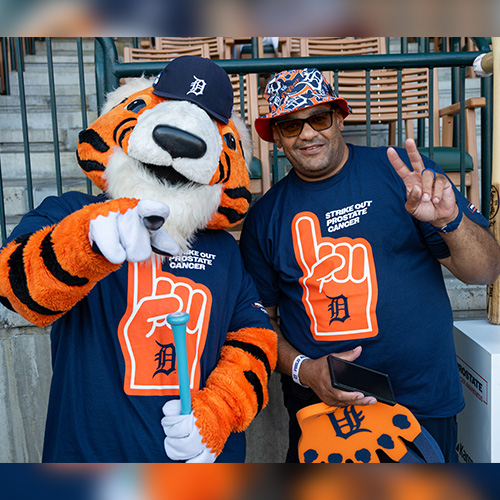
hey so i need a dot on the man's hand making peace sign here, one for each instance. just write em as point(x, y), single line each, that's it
point(474, 254)
point(430, 194)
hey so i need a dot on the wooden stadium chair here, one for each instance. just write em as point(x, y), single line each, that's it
point(131, 54)
point(384, 95)
point(232, 46)
point(240, 47)
point(448, 157)
point(214, 45)
point(333, 46)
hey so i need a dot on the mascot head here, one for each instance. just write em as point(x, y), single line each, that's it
point(174, 140)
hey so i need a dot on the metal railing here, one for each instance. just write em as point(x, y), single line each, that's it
point(12, 57)
point(109, 70)
point(18, 48)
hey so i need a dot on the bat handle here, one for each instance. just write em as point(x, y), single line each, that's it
point(178, 321)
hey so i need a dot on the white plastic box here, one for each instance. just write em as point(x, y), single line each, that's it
point(478, 356)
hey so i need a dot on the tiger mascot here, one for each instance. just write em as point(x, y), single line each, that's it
point(107, 270)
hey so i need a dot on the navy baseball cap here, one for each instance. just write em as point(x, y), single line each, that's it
point(200, 81)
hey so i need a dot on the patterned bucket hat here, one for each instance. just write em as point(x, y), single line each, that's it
point(293, 90)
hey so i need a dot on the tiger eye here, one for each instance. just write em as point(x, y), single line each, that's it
point(230, 141)
point(136, 105)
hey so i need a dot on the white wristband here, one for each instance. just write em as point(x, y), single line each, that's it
point(295, 368)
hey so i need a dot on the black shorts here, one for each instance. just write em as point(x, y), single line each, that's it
point(296, 397)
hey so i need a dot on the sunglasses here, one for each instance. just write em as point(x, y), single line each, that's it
point(294, 126)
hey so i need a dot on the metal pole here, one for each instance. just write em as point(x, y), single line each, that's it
point(53, 109)
point(486, 143)
point(24, 119)
point(462, 130)
point(83, 100)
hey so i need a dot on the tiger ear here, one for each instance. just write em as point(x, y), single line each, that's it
point(246, 138)
point(132, 86)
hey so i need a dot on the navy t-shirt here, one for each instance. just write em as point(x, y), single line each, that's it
point(113, 353)
point(348, 265)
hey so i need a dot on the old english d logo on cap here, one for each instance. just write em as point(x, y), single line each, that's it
point(200, 81)
point(197, 86)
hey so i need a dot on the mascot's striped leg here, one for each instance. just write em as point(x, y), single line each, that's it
point(236, 390)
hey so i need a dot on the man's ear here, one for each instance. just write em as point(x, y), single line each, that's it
point(340, 120)
point(277, 136)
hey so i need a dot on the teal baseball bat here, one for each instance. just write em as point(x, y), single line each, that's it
point(178, 321)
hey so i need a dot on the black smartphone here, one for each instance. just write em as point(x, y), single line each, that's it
point(348, 376)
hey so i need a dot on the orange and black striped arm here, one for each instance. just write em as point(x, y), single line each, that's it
point(237, 389)
point(45, 273)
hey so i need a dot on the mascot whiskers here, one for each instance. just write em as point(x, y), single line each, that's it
point(107, 270)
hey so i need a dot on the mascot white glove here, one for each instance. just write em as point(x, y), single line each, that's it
point(183, 441)
point(134, 235)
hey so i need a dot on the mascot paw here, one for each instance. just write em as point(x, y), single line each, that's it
point(134, 235)
point(183, 441)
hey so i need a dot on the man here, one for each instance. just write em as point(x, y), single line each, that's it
point(349, 247)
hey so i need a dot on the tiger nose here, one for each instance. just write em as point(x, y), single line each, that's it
point(179, 143)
